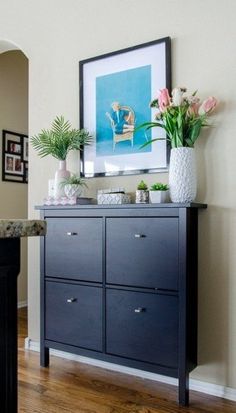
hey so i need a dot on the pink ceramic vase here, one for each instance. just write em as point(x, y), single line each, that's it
point(60, 175)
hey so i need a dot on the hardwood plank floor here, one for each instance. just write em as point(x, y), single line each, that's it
point(69, 386)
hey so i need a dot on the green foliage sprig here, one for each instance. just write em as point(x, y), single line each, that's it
point(60, 139)
point(74, 180)
point(142, 186)
point(159, 187)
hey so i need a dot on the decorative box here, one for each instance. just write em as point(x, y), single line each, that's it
point(120, 190)
point(113, 198)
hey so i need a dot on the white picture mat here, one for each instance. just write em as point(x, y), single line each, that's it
point(153, 55)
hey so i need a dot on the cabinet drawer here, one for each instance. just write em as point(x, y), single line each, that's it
point(142, 252)
point(142, 326)
point(74, 315)
point(74, 248)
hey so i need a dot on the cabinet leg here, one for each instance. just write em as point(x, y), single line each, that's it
point(184, 390)
point(44, 356)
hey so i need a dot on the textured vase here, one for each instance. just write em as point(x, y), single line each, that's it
point(60, 175)
point(182, 175)
point(72, 190)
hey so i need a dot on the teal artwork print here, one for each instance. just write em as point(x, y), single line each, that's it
point(122, 103)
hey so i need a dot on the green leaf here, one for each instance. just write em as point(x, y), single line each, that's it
point(195, 131)
point(151, 141)
point(149, 125)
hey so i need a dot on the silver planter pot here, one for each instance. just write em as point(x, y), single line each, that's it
point(142, 196)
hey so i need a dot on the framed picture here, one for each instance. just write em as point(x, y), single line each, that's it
point(14, 147)
point(115, 94)
point(15, 157)
point(13, 164)
point(25, 148)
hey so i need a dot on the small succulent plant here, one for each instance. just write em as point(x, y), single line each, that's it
point(159, 187)
point(142, 186)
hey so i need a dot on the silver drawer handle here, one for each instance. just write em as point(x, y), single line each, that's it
point(139, 310)
point(139, 236)
point(71, 234)
point(71, 300)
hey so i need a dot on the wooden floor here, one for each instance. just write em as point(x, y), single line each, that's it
point(69, 386)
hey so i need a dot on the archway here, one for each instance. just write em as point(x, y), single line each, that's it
point(13, 154)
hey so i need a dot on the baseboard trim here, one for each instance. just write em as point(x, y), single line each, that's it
point(22, 304)
point(197, 385)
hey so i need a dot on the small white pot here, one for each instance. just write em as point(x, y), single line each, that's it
point(72, 190)
point(158, 197)
point(182, 175)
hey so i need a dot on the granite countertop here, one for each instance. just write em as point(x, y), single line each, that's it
point(15, 228)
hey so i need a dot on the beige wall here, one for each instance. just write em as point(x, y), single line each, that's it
point(14, 117)
point(55, 35)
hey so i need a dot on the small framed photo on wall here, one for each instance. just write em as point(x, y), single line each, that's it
point(14, 147)
point(15, 157)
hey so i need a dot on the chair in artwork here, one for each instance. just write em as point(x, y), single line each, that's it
point(127, 132)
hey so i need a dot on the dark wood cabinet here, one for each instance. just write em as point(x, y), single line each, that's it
point(9, 270)
point(142, 252)
point(74, 314)
point(74, 249)
point(119, 283)
point(142, 326)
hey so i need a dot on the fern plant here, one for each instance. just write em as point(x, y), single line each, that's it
point(60, 139)
point(74, 180)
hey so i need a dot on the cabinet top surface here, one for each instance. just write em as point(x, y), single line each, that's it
point(124, 206)
point(16, 228)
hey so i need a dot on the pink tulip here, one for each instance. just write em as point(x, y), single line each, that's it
point(208, 105)
point(193, 109)
point(163, 99)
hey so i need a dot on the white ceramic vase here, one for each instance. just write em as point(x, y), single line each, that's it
point(60, 175)
point(182, 175)
point(72, 190)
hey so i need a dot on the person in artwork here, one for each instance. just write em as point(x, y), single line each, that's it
point(9, 163)
point(120, 119)
point(18, 165)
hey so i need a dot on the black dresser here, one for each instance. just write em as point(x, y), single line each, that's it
point(9, 270)
point(119, 284)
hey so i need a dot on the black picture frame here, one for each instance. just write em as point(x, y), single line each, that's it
point(14, 166)
point(166, 43)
